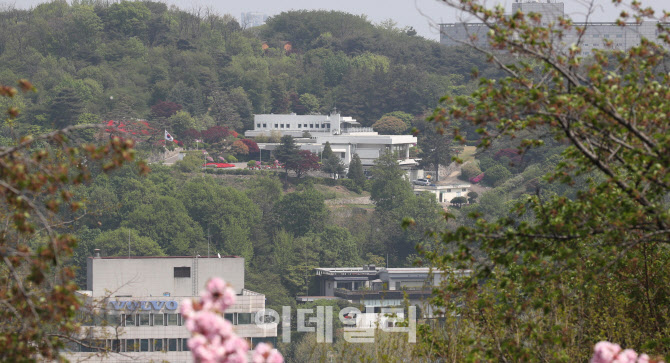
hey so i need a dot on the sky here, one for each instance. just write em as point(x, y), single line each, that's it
point(420, 14)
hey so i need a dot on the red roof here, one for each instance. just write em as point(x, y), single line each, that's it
point(220, 165)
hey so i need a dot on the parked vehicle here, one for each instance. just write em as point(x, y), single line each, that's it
point(421, 182)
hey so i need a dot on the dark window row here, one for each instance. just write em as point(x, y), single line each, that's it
point(131, 345)
point(153, 319)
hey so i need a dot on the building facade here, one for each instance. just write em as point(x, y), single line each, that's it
point(444, 193)
point(345, 135)
point(132, 307)
point(595, 34)
point(374, 288)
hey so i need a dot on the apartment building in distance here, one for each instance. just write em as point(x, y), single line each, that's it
point(622, 37)
point(132, 306)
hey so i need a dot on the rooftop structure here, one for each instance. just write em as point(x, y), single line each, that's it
point(453, 34)
point(132, 306)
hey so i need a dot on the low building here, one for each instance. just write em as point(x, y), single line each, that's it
point(444, 193)
point(345, 135)
point(374, 288)
point(132, 306)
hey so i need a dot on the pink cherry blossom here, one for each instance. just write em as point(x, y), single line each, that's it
point(265, 354)
point(218, 295)
point(213, 337)
point(606, 352)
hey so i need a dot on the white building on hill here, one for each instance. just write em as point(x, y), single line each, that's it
point(345, 135)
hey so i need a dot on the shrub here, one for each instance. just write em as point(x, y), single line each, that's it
point(231, 159)
point(469, 170)
point(351, 185)
point(496, 175)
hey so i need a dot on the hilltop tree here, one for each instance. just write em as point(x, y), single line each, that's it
point(305, 162)
point(390, 125)
point(562, 271)
point(356, 171)
point(65, 108)
point(302, 212)
point(333, 165)
point(390, 186)
point(287, 152)
point(327, 151)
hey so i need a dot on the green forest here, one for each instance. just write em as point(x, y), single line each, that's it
point(567, 239)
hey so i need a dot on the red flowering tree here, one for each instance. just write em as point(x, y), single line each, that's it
point(215, 134)
point(305, 162)
point(252, 145)
point(165, 109)
point(239, 148)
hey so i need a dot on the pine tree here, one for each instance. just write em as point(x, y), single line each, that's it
point(66, 108)
point(356, 171)
point(287, 152)
point(327, 151)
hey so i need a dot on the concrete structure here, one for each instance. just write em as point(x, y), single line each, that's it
point(345, 135)
point(453, 34)
point(375, 288)
point(252, 19)
point(444, 193)
point(132, 306)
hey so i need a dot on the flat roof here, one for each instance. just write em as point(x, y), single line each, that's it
point(154, 257)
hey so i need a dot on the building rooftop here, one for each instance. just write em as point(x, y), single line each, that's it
point(155, 257)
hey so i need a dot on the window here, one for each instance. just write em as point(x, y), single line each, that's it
point(172, 319)
point(184, 345)
point(276, 126)
point(230, 318)
point(243, 318)
point(311, 126)
point(448, 190)
point(158, 319)
point(182, 272)
point(158, 345)
point(305, 125)
point(316, 126)
point(172, 345)
point(596, 35)
point(463, 189)
point(144, 345)
point(282, 126)
point(258, 126)
point(130, 320)
point(619, 35)
point(144, 319)
point(114, 345)
point(130, 345)
point(328, 125)
point(299, 125)
point(265, 125)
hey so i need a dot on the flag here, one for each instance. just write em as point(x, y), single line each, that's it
point(222, 159)
point(168, 137)
point(210, 158)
